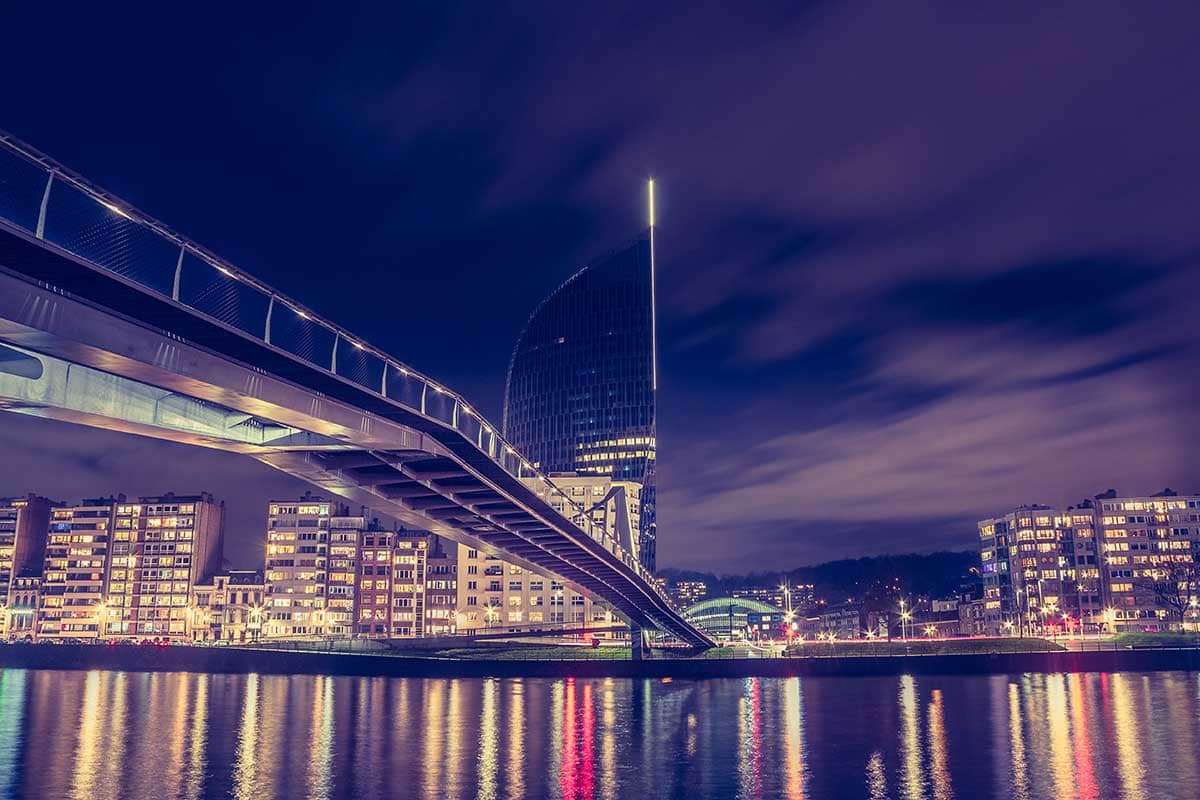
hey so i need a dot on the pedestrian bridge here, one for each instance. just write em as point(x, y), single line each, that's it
point(110, 319)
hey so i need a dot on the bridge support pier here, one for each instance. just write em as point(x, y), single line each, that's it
point(637, 643)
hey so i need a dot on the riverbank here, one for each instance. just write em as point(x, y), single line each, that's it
point(247, 660)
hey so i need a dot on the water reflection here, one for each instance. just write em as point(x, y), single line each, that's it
point(12, 728)
point(168, 736)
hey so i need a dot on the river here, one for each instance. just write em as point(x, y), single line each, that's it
point(158, 736)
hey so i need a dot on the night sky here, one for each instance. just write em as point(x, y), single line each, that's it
point(915, 264)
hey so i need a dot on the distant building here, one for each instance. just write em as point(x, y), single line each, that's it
point(373, 584)
point(727, 619)
point(24, 597)
point(441, 587)
point(161, 548)
point(801, 595)
point(24, 524)
point(297, 566)
point(72, 603)
point(687, 593)
point(1151, 551)
point(228, 607)
point(580, 391)
point(409, 562)
point(498, 594)
point(1093, 565)
point(842, 620)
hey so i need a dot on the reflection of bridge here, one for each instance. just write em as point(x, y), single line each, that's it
point(109, 319)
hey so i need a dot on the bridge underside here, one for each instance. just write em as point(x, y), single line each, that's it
point(66, 358)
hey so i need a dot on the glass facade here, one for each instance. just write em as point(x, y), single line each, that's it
point(580, 390)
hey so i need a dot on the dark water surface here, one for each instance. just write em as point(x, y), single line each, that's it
point(159, 736)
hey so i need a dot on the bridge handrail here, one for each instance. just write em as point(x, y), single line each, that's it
point(109, 233)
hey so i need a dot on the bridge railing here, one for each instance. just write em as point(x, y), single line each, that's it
point(54, 204)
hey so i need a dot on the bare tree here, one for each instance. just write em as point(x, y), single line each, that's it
point(1171, 586)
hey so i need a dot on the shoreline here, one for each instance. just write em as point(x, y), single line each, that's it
point(234, 660)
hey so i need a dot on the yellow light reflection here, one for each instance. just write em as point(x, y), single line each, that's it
point(793, 716)
point(489, 743)
point(1126, 738)
point(87, 749)
point(515, 771)
point(608, 744)
point(180, 687)
point(1060, 736)
point(1016, 738)
point(320, 740)
point(876, 777)
point(939, 766)
point(246, 771)
point(910, 740)
point(455, 725)
point(197, 754)
point(750, 741)
point(435, 705)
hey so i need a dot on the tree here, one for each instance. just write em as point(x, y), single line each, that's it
point(1171, 586)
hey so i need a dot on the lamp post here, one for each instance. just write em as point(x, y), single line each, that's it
point(101, 623)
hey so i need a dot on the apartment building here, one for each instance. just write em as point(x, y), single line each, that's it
point(1151, 548)
point(494, 593)
point(228, 607)
point(441, 588)
point(409, 561)
point(72, 598)
point(297, 565)
point(24, 524)
point(161, 548)
point(376, 551)
point(344, 534)
point(1112, 563)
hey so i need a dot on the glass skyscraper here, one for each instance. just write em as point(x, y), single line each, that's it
point(580, 390)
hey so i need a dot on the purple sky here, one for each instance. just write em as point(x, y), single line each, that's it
point(917, 264)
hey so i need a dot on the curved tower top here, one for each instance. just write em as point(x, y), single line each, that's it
point(579, 396)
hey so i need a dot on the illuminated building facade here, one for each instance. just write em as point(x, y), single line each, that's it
point(373, 618)
point(24, 523)
point(1040, 570)
point(228, 607)
point(297, 566)
point(409, 561)
point(161, 548)
point(441, 587)
point(341, 595)
point(1151, 548)
point(494, 593)
point(728, 619)
point(580, 392)
point(72, 601)
point(24, 597)
point(1094, 565)
point(801, 595)
point(687, 593)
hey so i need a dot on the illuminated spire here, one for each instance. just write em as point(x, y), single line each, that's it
point(653, 297)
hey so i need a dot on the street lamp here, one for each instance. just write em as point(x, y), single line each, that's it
point(101, 625)
point(930, 630)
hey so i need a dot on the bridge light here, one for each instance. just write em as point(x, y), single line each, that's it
point(301, 314)
point(115, 210)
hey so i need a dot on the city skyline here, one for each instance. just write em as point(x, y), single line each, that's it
point(892, 331)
